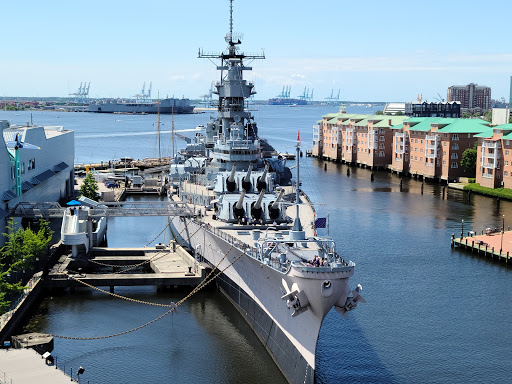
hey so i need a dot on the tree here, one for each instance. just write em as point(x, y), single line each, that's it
point(379, 113)
point(488, 116)
point(468, 161)
point(21, 249)
point(399, 113)
point(89, 187)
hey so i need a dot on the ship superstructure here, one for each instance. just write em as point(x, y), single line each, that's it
point(256, 226)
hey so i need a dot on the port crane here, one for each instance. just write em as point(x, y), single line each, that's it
point(82, 94)
point(332, 99)
point(144, 97)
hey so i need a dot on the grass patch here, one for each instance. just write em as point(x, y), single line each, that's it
point(504, 193)
point(471, 180)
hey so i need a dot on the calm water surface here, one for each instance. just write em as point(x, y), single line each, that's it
point(433, 315)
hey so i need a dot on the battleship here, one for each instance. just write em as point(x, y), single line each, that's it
point(164, 106)
point(255, 226)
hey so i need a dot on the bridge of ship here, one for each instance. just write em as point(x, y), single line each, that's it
point(49, 210)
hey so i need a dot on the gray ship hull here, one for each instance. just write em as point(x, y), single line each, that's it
point(267, 316)
point(165, 106)
point(287, 357)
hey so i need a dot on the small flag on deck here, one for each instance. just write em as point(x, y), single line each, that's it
point(321, 222)
point(298, 136)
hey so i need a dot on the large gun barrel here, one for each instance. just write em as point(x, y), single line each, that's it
point(239, 204)
point(230, 181)
point(275, 204)
point(246, 181)
point(257, 205)
point(231, 177)
point(262, 184)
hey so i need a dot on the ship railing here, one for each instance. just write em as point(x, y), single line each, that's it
point(273, 262)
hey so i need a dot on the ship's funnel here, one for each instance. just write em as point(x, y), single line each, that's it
point(273, 209)
point(262, 184)
point(238, 210)
point(256, 210)
point(230, 181)
point(246, 181)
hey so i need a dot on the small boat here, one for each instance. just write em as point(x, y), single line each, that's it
point(287, 155)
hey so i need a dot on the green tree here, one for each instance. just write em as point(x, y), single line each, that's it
point(468, 161)
point(379, 113)
point(21, 248)
point(89, 187)
point(399, 113)
point(488, 115)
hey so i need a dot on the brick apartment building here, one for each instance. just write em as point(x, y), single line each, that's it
point(432, 148)
point(494, 159)
point(472, 97)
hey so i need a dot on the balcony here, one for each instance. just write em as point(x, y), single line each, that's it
point(429, 164)
point(432, 138)
point(489, 165)
point(488, 176)
point(491, 144)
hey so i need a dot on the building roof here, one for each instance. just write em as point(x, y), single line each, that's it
point(394, 120)
point(466, 126)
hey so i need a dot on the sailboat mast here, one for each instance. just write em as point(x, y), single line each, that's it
point(159, 153)
point(172, 129)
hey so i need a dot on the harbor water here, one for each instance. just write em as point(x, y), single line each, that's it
point(433, 314)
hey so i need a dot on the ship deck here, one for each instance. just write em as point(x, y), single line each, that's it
point(242, 234)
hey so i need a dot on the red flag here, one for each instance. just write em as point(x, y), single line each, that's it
point(298, 135)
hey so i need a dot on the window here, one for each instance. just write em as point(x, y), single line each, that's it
point(444, 162)
point(506, 152)
point(381, 146)
point(415, 149)
point(455, 137)
point(506, 162)
point(381, 154)
point(415, 158)
point(444, 153)
point(454, 156)
point(505, 173)
point(416, 140)
point(444, 144)
point(421, 158)
point(455, 165)
point(507, 142)
point(382, 138)
point(421, 141)
point(455, 146)
point(469, 135)
point(382, 131)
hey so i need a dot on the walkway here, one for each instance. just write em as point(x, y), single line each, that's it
point(26, 366)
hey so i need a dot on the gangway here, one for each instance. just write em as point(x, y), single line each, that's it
point(49, 210)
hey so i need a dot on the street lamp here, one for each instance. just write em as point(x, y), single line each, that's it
point(462, 230)
point(502, 230)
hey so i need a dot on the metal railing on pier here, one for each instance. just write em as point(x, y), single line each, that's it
point(116, 209)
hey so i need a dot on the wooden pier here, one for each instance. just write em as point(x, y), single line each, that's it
point(497, 246)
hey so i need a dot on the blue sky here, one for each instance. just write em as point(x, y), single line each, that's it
point(372, 50)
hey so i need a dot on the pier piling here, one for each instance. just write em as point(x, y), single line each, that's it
point(372, 176)
point(444, 190)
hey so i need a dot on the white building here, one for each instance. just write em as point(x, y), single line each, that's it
point(46, 173)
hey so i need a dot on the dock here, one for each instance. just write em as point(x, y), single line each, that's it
point(26, 366)
point(159, 266)
point(497, 245)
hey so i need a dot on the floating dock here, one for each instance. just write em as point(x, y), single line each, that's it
point(159, 266)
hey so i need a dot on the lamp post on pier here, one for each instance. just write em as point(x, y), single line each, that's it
point(502, 230)
point(462, 230)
